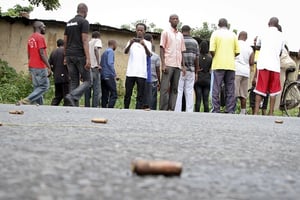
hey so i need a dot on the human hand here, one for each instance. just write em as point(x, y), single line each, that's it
point(183, 71)
point(164, 69)
point(254, 81)
point(87, 65)
point(49, 72)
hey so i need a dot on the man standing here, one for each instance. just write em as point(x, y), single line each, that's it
point(171, 54)
point(77, 55)
point(39, 66)
point(108, 76)
point(138, 49)
point(61, 74)
point(223, 47)
point(95, 44)
point(187, 76)
point(268, 65)
point(242, 63)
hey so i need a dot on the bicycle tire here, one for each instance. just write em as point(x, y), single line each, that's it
point(291, 100)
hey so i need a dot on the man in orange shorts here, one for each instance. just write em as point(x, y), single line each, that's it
point(268, 65)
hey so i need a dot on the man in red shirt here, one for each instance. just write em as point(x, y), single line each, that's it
point(39, 67)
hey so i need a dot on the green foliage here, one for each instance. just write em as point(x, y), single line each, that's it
point(13, 86)
point(151, 27)
point(121, 94)
point(17, 9)
point(47, 4)
point(204, 32)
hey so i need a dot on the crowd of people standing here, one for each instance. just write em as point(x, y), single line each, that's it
point(183, 68)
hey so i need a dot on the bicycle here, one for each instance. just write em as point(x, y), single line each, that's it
point(290, 98)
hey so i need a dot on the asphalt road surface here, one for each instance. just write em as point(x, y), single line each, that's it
point(57, 153)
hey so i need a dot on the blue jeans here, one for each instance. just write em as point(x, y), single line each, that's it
point(109, 92)
point(40, 83)
point(96, 87)
point(76, 71)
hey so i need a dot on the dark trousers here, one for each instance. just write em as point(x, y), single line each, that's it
point(153, 105)
point(76, 72)
point(109, 92)
point(147, 95)
point(228, 76)
point(169, 88)
point(129, 85)
point(202, 93)
point(61, 90)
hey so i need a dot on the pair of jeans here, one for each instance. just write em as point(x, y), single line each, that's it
point(153, 104)
point(129, 85)
point(94, 90)
point(169, 88)
point(40, 83)
point(228, 76)
point(109, 92)
point(77, 71)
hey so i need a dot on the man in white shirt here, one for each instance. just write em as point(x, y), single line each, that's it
point(268, 65)
point(95, 44)
point(138, 49)
point(242, 65)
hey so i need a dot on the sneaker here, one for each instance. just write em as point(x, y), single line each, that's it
point(71, 101)
point(23, 102)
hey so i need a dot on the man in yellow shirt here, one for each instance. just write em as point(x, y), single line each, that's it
point(224, 48)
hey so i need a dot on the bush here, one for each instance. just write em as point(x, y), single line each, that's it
point(13, 86)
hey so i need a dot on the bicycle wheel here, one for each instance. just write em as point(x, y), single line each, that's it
point(291, 101)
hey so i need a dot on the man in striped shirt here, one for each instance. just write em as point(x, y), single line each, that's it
point(187, 76)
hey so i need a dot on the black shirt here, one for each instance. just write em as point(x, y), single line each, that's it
point(205, 61)
point(74, 28)
point(60, 71)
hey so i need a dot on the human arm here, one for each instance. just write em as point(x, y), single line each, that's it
point(85, 42)
point(162, 58)
point(97, 55)
point(148, 52)
point(157, 68)
point(183, 67)
point(127, 48)
point(254, 76)
point(50, 60)
point(237, 47)
point(65, 47)
point(251, 59)
point(197, 67)
point(45, 59)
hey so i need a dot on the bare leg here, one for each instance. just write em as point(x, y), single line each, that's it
point(243, 102)
point(272, 104)
point(257, 103)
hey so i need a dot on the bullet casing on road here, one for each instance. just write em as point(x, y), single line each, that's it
point(156, 167)
point(99, 120)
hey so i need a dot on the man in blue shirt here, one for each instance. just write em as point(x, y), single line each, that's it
point(108, 76)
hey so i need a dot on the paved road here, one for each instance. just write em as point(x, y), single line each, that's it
point(57, 153)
